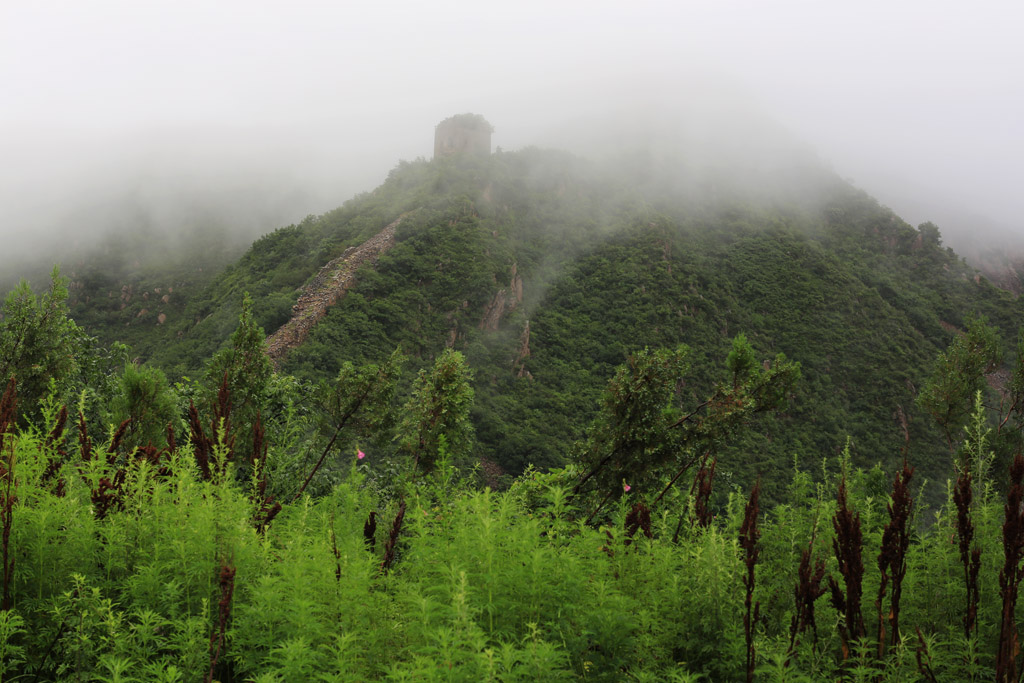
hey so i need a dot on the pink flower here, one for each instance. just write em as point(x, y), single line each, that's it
point(360, 454)
point(625, 487)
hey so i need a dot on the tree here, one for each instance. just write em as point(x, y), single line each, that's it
point(958, 374)
point(359, 405)
point(438, 411)
point(248, 371)
point(144, 395)
point(930, 234)
point(643, 433)
point(40, 345)
point(632, 437)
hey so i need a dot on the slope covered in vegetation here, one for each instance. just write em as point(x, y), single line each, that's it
point(547, 271)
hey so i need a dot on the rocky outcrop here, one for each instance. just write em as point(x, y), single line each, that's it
point(494, 311)
point(329, 285)
point(506, 299)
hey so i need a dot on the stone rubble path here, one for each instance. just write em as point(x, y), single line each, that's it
point(329, 285)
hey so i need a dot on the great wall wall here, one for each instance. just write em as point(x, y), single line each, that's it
point(329, 285)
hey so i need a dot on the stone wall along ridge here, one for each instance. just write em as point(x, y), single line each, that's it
point(330, 284)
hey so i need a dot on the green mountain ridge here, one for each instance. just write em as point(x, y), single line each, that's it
point(547, 271)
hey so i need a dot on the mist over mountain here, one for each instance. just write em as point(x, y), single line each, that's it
point(255, 116)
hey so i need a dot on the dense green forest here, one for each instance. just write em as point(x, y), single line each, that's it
point(579, 422)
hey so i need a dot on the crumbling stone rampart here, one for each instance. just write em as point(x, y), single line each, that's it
point(324, 290)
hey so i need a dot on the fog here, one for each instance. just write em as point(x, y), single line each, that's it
point(248, 116)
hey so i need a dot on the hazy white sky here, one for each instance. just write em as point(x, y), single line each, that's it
point(918, 102)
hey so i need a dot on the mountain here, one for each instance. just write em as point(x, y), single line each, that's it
point(547, 271)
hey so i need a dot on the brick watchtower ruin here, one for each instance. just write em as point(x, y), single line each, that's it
point(463, 134)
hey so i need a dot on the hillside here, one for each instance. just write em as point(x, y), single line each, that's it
point(547, 271)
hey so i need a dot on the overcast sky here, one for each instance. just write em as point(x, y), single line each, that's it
point(921, 103)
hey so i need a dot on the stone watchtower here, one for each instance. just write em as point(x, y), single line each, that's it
point(463, 134)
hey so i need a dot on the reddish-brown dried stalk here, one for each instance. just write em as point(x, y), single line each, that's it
point(266, 507)
point(969, 557)
point(335, 551)
point(227, 589)
point(389, 548)
point(638, 519)
point(370, 531)
point(702, 486)
point(8, 406)
point(115, 443)
point(108, 494)
point(892, 558)
point(1011, 574)
point(749, 536)
point(8, 494)
point(84, 442)
point(201, 446)
point(847, 546)
point(220, 428)
point(806, 592)
point(55, 439)
point(171, 444)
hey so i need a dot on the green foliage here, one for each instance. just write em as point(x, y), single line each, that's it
point(438, 413)
point(644, 433)
point(358, 407)
point(144, 396)
point(362, 398)
point(634, 437)
point(741, 360)
point(246, 368)
point(44, 349)
point(11, 654)
point(485, 585)
point(959, 373)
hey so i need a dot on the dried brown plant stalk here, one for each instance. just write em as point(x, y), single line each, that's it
point(204, 446)
point(847, 546)
point(115, 442)
point(335, 551)
point(969, 557)
point(806, 592)
point(8, 489)
point(84, 442)
point(266, 507)
point(227, 589)
point(892, 558)
point(1011, 574)
point(201, 446)
point(638, 519)
point(54, 445)
point(389, 548)
point(370, 531)
point(702, 487)
point(749, 535)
